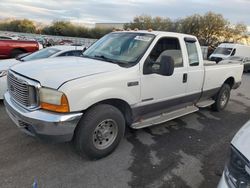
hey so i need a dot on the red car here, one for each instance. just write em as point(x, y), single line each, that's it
point(13, 48)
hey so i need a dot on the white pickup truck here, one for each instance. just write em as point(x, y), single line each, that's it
point(128, 78)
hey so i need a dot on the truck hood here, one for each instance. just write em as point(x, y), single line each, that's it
point(53, 72)
point(241, 140)
point(7, 63)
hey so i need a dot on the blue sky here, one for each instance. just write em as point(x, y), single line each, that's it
point(91, 11)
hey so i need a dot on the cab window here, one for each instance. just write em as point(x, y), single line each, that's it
point(166, 47)
point(192, 51)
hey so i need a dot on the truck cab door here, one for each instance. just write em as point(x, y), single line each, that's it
point(161, 93)
point(195, 76)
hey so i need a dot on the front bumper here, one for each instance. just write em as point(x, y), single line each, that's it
point(48, 126)
point(3, 86)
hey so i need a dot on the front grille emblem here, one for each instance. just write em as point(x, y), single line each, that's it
point(12, 89)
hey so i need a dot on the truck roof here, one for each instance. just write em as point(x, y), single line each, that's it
point(156, 33)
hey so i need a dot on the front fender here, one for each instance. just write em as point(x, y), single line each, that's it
point(102, 94)
point(83, 93)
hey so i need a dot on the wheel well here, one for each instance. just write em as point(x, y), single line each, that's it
point(122, 105)
point(230, 82)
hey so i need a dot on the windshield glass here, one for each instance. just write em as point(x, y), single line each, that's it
point(44, 53)
point(125, 48)
point(223, 51)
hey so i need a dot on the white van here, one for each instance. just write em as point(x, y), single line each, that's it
point(226, 50)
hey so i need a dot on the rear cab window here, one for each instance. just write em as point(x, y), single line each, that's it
point(193, 55)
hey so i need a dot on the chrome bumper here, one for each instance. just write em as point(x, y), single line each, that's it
point(48, 126)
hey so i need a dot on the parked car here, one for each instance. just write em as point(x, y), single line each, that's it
point(128, 78)
point(50, 52)
point(239, 59)
point(65, 42)
point(237, 170)
point(225, 50)
point(12, 48)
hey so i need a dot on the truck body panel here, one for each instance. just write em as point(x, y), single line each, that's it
point(8, 46)
point(134, 90)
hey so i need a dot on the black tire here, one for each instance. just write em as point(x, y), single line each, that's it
point(89, 135)
point(16, 52)
point(222, 98)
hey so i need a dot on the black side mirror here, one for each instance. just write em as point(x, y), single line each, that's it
point(166, 66)
point(84, 49)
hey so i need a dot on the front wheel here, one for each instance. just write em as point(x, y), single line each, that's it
point(99, 131)
point(222, 98)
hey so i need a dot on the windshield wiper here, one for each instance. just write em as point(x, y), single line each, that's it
point(106, 58)
point(110, 60)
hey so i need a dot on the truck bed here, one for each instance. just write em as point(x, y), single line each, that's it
point(216, 74)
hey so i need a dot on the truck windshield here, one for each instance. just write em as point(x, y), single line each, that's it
point(120, 48)
point(44, 53)
point(224, 51)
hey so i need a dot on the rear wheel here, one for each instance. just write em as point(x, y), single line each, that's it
point(16, 52)
point(222, 98)
point(99, 131)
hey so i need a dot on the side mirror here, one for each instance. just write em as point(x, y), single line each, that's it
point(84, 49)
point(166, 66)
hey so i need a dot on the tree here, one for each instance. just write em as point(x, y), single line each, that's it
point(64, 28)
point(190, 25)
point(25, 26)
point(208, 28)
point(145, 22)
point(213, 27)
point(236, 33)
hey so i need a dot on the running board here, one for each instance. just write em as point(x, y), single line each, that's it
point(205, 103)
point(164, 117)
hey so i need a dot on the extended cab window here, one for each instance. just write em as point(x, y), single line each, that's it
point(192, 53)
point(166, 47)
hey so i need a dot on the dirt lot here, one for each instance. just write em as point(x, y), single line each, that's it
point(187, 152)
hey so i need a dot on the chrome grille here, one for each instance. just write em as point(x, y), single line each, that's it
point(22, 90)
point(18, 89)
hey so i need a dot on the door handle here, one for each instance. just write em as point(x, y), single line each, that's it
point(185, 77)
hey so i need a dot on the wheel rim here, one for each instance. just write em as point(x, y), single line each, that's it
point(105, 134)
point(224, 98)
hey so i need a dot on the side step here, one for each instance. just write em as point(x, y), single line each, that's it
point(205, 103)
point(164, 117)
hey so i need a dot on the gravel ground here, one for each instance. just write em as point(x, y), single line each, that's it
point(187, 152)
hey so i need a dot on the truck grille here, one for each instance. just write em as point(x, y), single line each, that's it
point(21, 91)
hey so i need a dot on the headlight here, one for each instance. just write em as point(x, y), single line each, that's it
point(3, 73)
point(237, 170)
point(53, 100)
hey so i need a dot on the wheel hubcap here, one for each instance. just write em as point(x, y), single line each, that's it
point(105, 134)
point(224, 98)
